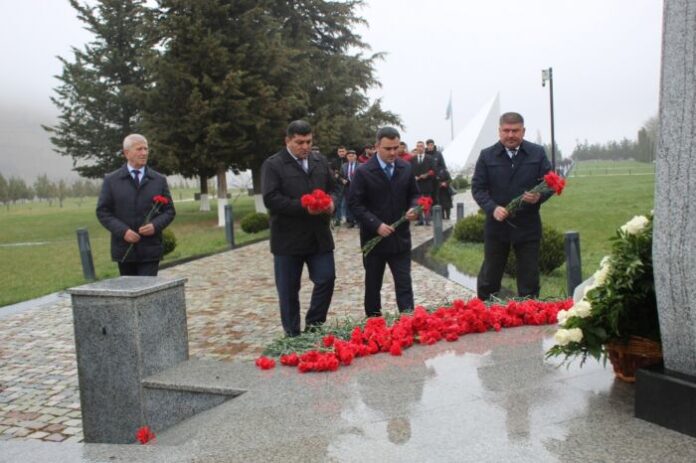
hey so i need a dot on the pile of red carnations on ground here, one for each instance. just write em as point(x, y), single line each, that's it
point(422, 327)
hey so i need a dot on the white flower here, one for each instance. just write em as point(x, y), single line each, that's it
point(582, 309)
point(635, 225)
point(601, 275)
point(562, 337)
point(575, 334)
point(562, 317)
point(606, 260)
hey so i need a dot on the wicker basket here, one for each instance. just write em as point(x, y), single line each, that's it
point(627, 358)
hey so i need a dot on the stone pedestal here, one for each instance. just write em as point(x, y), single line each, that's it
point(667, 397)
point(126, 329)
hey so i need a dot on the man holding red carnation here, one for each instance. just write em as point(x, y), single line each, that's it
point(300, 229)
point(508, 169)
point(382, 191)
point(126, 201)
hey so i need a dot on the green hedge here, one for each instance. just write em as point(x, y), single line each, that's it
point(470, 228)
point(168, 241)
point(254, 223)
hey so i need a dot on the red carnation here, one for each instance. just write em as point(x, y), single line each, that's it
point(160, 199)
point(431, 173)
point(265, 363)
point(317, 201)
point(555, 182)
point(144, 435)
point(426, 203)
point(290, 360)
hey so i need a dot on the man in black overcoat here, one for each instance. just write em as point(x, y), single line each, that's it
point(298, 236)
point(125, 200)
point(423, 166)
point(382, 191)
point(510, 168)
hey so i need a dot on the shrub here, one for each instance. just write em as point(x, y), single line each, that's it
point(254, 223)
point(470, 228)
point(461, 183)
point(168, 241)
point(551, 252)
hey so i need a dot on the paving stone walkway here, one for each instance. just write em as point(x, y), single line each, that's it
point(232, 315)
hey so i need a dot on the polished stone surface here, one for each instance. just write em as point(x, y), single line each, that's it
point(674, 253)
point(127, 286)
point(487, 397)
point(121, 337)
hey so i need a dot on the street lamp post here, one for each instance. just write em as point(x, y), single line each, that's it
point(547, 74)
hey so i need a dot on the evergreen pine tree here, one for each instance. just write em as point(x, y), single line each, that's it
point(99, 94)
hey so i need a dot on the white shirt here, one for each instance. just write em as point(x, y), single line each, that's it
point(142, 172)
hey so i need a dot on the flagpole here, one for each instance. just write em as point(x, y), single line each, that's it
point(451, 127)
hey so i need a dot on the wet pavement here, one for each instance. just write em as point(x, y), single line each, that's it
point(486, 398)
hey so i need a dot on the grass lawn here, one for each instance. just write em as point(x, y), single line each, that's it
point(52, 262)
point(598, 168)
point(594, 206)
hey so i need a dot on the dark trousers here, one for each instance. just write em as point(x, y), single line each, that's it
point(140, 269)
point(288, 273)
point(495, 256)
point(400, 266)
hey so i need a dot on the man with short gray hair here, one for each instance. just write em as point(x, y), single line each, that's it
point(125, 200)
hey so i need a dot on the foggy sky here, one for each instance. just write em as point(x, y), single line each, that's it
point(605, 55)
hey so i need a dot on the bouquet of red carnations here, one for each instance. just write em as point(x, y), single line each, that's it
point(317, 201)
point(157, 202)
point(424, 205)
point(552, 183)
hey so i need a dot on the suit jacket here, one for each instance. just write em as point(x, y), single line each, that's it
point(426, 186)
point(497, 180)
point(375, 199)
point(294, 231)
point(438, 159)
point(344, 174)
point(123, 205)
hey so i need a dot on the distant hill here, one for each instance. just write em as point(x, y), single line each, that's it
point(25, 148)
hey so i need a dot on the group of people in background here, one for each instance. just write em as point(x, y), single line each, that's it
point(428, 167)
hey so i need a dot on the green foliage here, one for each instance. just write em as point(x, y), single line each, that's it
point(98, 98)
point(642, 149)
point(551, 252)
point(254, 223)
point(461, 183)
point(4, 191)
point(168, 241)
point(470, 228)
point(621, 301)
point(17, 189)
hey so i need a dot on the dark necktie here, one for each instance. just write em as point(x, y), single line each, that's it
point(389, 169)
point(136, 176)
point(513, 154)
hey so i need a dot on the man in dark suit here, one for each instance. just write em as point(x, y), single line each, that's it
point(125, 200)
point(423, 166)
point(348, 170)
point(504, 171)
point(438, 158)
point(383, 190)
point(298, 236)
